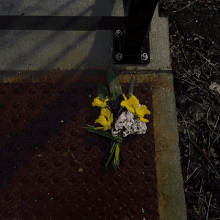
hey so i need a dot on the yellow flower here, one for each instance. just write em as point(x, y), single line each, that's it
point(128, 103)
point(99, 103)
point(105, 119)
point(132, 105)
point(141, 112)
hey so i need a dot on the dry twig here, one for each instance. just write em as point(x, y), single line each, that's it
point(193, 101)
point(192, 83)
point(200, 194)
point(208, 123)
point(206, 158)
point(192, 174)
point(185, 6)
point(189, 145)
point(208, 207)
point(215, 140)
point(183, 50)
point(213, 65)
point(190, 123)
point(195, 78)
point(200, 149)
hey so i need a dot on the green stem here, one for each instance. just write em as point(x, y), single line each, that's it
point(112, 152)
point(122, 107)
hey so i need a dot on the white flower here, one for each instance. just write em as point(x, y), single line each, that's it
point(130, 125)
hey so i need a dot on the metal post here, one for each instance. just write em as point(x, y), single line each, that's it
point(130, 33)
point(140, 13)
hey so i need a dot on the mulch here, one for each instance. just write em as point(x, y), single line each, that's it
point(194, 30)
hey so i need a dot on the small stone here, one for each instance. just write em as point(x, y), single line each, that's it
point(80, 170)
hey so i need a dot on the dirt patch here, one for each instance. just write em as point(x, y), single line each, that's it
point(194, 29)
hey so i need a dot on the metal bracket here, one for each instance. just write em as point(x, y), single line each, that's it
point(142, 57)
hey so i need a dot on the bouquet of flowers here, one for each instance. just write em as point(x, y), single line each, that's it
point(120, 116)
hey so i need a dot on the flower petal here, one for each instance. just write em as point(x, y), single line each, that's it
point(101, 120)
point(140, 112)
point(144, 120)
point(105, 112)
point(128, 104)
point(146, 110)
point(106, 99)
point(124, 103)
point(133, 100)
point(130, 109)
point(124, 97)
point(99, 103)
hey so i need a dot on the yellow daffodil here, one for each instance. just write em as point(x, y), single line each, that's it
point(141, 112)
point(99, 103)
point(105, 119)
point(132, 105)
point(128, 103)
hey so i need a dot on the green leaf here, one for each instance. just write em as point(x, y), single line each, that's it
point(121, 145)
point(121, 149)
point(113, 146)
point(102, 92)
point(131, 89)
point(114, 85)
point(103, 133)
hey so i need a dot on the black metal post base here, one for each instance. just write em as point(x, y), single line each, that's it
point(141, 56)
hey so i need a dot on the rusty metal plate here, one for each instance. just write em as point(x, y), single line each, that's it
point(52, 168)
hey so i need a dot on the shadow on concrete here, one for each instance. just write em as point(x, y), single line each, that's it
point(95, 9)
point(14, 141)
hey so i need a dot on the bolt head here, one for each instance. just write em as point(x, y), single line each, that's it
point(118, 32)
point(144, 56)
point(119, 56)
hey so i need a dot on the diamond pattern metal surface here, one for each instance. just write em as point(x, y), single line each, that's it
point(52, 168)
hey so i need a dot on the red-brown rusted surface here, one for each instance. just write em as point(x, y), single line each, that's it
point(52, 168)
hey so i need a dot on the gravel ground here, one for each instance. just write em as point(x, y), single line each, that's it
point(194, 29)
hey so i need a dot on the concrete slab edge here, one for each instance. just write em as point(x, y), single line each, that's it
point(171, 198)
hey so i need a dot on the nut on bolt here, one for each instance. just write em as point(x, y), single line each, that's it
point(117, 33)
point(119, 56)
point(144, 56)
